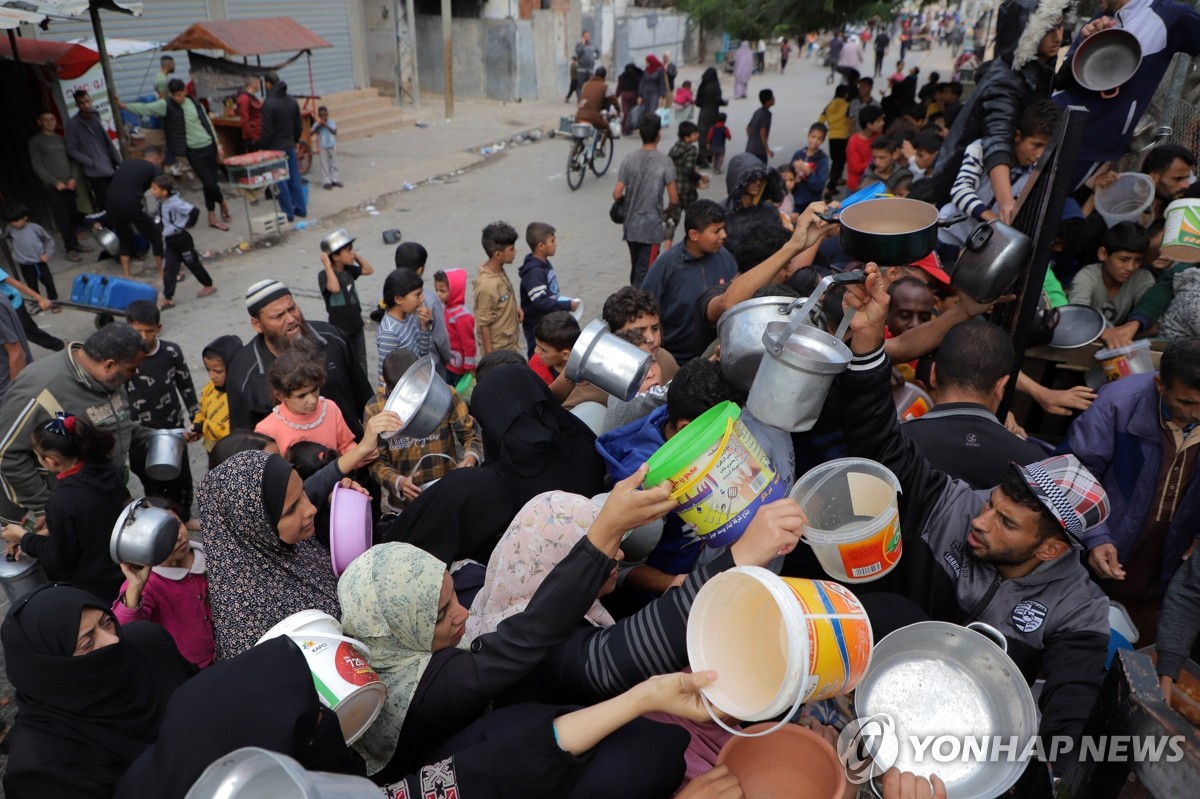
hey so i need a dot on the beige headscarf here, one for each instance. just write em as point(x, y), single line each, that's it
point(539, 537)
point(390, 598)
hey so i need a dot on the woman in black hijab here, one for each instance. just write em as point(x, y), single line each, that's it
point(709, 101)
point(90, 693)
point(528, 438)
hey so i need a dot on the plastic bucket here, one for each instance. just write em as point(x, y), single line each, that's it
point(313, 622)
point(1126, 199)
point(853, 518)
point(719, 475)
point(1133, 359)
point(911, 402)
point(344, 679)
point(776, 642)
point(252, 773)
point(1181, 231)
point(796, 762)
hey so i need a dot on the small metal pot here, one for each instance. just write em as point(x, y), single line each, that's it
point(740, 330)
point(19, 577)
point(1106, 60)
point(421, 399)
point(143, 534)
point(1078, 326)
point(607, 362)
point(892, 231)
point(336, 240)
point(992, 259)
point(164, 455)
point(109, 241)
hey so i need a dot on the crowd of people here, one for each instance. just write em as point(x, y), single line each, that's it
point(526, 598)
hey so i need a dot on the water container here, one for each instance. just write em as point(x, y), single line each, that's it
point(118, 292)
point(81, 288)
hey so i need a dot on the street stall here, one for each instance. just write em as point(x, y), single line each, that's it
point(222, 77)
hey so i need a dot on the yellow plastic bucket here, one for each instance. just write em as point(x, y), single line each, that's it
point(719, 474)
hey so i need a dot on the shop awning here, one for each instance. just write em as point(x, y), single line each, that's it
point(243, 37)
point(14, 13)
point(71, 59)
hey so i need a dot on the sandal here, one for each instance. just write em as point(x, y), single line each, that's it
point(226, 217)
point(218, 225)
point(165, 304)
point(74, 257)
point(206, 291)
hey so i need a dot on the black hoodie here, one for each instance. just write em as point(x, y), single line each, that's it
point(741, 220)
point(281, 126)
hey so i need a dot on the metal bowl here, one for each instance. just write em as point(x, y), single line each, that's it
point(607, 362)
point(1106, 60)
point(143, 534)
point(421, 399)
point(109, 241)
point(1078, 326)
point(336, 240)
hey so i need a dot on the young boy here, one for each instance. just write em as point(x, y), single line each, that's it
point(161, 397)
point(1115, 285)
point(326, 130)
point(539, 283)
point(212, 420)
point(811, 166)
point(926, 145)
point(498, 315)
point(451, 289)
point(32, 248)
point(759, 128)
point(636, 309)
point(718, 135)
point(555, 335)
point(177, 215)
point(397, 470)
point(858, 148)
point(340, 268)
point(973, 193)
point(886, 163)
point(13, 289)
point(688, 181)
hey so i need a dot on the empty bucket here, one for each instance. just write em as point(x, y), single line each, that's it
point(1133, 359)
point(794, 763)
point(252, 773)
point(853, 518)
point(1126, 199)
point(1181, 231)
point(776, 642)
point(719, 474)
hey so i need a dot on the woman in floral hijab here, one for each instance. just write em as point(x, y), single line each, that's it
point(263, 562)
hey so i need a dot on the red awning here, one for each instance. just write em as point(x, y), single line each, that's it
point(248, 37)
point(69, 60)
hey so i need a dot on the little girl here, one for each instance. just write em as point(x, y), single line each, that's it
point(295, 381)
point(408, 322)
point(89, 496)
point(174, 594)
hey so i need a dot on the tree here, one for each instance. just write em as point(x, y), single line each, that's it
point(755, 19)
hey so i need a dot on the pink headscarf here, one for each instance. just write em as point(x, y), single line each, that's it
point(539, 537)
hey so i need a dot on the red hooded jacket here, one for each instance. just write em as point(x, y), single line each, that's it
point(460, 324)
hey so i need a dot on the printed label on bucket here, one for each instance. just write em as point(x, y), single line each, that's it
point(1116, 368)
point(741, 479)
point(839, 637)
point(873, 556)
point(352, 666)
point(1182, 227)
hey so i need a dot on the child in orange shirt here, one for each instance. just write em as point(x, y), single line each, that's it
point(302, 413)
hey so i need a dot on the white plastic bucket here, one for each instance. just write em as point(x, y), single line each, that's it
point(1181, 231)
point(853, 518)
point(1132, 359)
point(1126, 199)
point(315, 622)
point(776, 642)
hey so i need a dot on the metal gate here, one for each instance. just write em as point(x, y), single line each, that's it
point(161, 22)
point(333, 67)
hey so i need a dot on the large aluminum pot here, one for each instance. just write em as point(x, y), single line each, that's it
point(994, 257)
point(143, 534)
point(1106, 60)
point(253, 773)
point(421, 399)
point(740, 330)
point(607, 362)
point(891, 231)
point(19, 577)
point(939, 679)
point(109, 241)
point(164, 455)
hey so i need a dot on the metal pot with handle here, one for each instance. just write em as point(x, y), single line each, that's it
point(891, 231)
point(740, 330)
point(1106, 60)
point(994, 256)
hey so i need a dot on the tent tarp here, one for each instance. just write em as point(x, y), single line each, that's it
point(71, 59)
point(244, 37)
point(14, 14)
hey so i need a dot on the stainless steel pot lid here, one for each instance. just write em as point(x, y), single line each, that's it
point(1078, 326)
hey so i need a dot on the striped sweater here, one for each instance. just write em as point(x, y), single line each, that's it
point(972, 194)
point(405, 333)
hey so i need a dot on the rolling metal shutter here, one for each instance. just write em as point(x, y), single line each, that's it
point(161, 22)
point(332, 67)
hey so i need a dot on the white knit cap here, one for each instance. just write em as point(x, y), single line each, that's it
point(263, 293)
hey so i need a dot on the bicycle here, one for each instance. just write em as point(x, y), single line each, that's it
point(590, 147)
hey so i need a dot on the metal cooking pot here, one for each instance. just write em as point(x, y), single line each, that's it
point(1106, 60)
point(1045, 319)
point(933, 679)
point(421, 399)
point(336, 240)
point(1148, 134)
point(164, 454)
point(740, 330)
point(19, 577)
point(143, 534)
point(1078, 326)
point(891, 231)
point(992, 259)
point(607, 362)
point(109, 241)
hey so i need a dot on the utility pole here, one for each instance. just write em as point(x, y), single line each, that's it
point(447, 59)
point(412, 46)
point(106, 68)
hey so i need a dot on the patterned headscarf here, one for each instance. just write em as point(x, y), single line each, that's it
point(254, 579)
point(539, 537)
point(390, 594)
